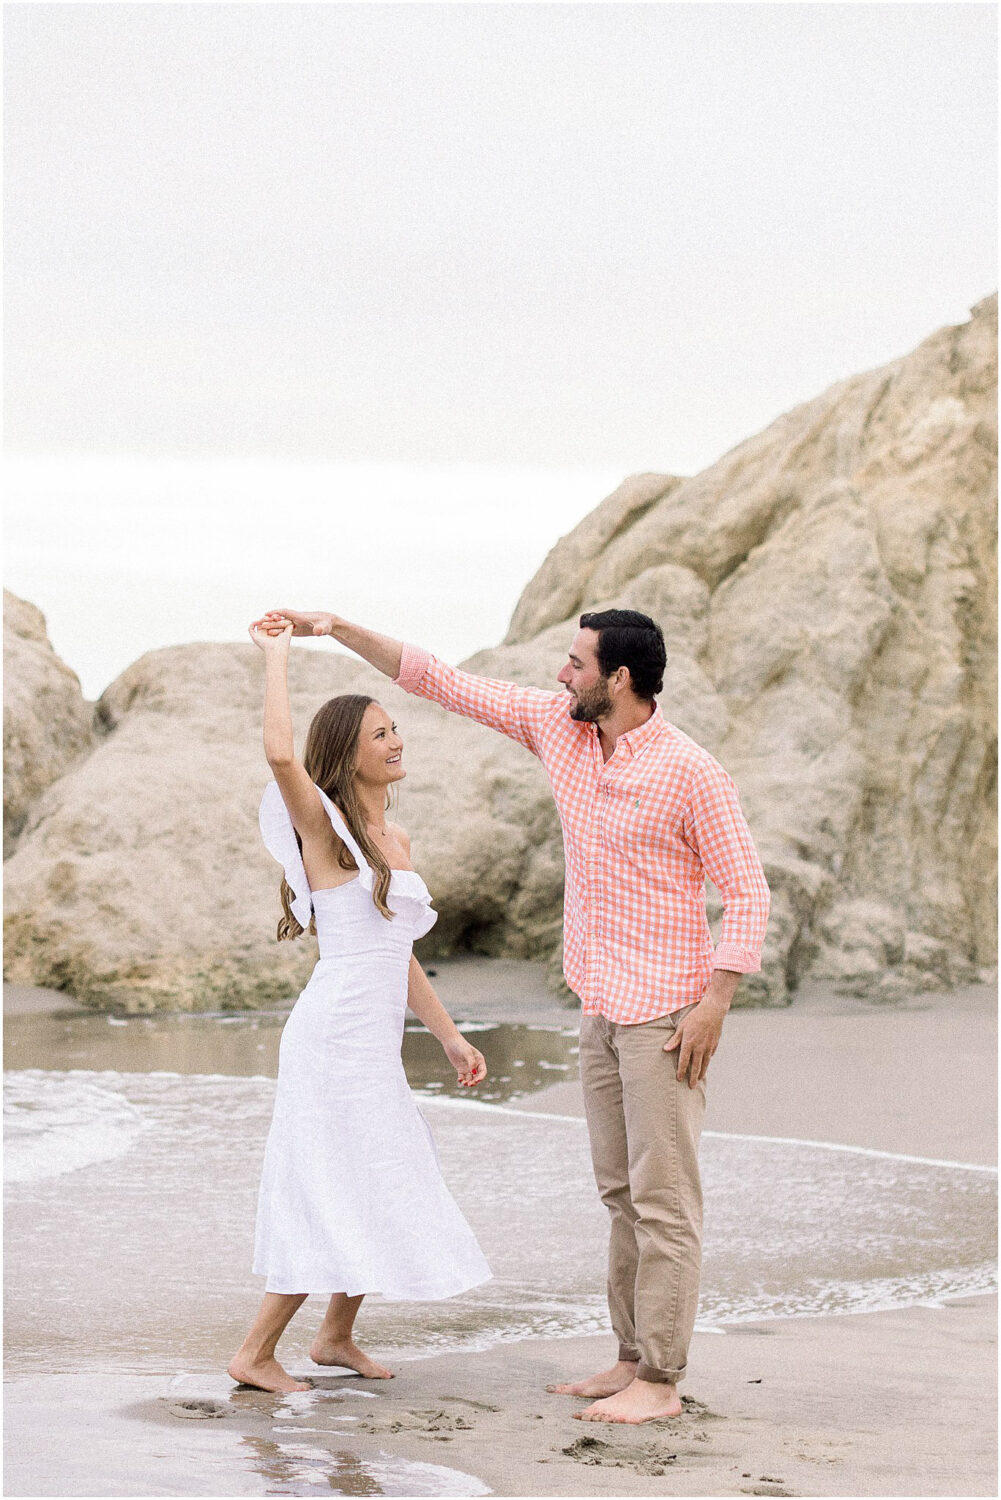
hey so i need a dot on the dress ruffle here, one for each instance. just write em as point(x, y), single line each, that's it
point(409, 896)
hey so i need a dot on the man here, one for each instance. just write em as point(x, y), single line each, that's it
point(646, 815)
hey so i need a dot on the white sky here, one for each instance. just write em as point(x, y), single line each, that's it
point(124, 555)
point(525, 239)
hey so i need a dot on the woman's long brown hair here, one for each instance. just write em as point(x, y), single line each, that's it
point(329, 758)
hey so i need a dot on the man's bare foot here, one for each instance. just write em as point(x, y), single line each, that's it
point(345, 1352)
point(642, 1401)
point(607, 1383)
point(266, 1375)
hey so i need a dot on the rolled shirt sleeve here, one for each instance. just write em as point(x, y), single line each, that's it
point(717, 830)
point(414, 662)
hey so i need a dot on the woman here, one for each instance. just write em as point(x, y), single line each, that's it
point(352, 1200)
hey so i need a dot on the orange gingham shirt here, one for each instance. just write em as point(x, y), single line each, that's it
point(640, 832)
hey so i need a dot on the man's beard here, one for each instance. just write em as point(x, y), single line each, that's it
point(591, 704)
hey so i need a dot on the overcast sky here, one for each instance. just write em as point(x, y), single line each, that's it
point(616, 236)
point(362, 306)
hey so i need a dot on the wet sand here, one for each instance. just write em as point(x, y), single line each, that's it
point(882, 1403)
point(832, 1406)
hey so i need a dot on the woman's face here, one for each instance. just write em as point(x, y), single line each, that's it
point(380, 749)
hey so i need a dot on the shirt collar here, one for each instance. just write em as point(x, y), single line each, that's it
point(644, 734)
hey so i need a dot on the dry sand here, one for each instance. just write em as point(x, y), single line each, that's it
point(886, 1403)
point(919, 1078)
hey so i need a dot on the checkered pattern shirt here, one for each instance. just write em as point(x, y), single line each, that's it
point(641, 832)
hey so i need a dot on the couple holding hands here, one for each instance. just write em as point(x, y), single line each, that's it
point(352, 1200)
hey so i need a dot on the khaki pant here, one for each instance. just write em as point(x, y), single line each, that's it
point(644, 1128)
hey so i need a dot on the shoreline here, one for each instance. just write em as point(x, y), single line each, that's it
point(896, 1402)
point(898, 1077)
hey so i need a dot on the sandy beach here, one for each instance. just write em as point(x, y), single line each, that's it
point(885, 1402)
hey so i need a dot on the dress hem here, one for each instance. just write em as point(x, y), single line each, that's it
point(390, 1296)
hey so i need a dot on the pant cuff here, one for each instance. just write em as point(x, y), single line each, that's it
point(660, 1377)
point(626, 1352)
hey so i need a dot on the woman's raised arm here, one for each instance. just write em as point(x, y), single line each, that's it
point(300, 796)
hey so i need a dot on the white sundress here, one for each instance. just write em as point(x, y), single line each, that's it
point(352, 1198)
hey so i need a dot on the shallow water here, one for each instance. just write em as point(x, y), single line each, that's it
point(521, 1059)
point(131, 1198)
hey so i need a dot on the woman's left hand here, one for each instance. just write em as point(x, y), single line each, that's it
point(467, 1062)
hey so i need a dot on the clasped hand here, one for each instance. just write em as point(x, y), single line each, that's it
point(304, 622)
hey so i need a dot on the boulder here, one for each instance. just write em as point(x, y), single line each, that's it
point(141, 882)
point(46, 722)
point(827, 595)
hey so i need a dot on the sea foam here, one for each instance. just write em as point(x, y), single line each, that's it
point(60, 1122)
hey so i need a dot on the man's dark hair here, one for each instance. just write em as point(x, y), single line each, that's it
point(627, 638)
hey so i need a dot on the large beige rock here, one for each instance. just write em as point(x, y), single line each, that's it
point(46, 722)
point(141, 881)
point(827, 594)
point(839, 658)
point(566, 578)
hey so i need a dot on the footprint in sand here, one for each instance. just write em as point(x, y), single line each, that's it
point(196, 1410)
point(648, 1459)
point(465, 1401)
point(833, 1454)
point(431, 1422)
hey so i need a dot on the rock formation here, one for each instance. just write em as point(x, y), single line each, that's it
point(827, 593)
point(827, 590)
point(47, 724)
point(141, 882)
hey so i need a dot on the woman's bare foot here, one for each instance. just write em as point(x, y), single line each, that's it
point(607, 1383)
point(266, 1375)
point(642, 1401)
point(345, 1352)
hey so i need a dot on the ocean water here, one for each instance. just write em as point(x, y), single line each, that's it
point(50, 1129)
point(131, 1198)
point(523, 1058)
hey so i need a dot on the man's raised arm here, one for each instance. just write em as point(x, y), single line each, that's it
point(519, 712)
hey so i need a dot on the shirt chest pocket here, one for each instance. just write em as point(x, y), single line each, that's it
point(624, 823)
point(637, 822)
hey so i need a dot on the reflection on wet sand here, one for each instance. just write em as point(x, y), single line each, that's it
point(296, 1468)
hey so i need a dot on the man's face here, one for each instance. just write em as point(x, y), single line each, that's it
point(589, 696)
